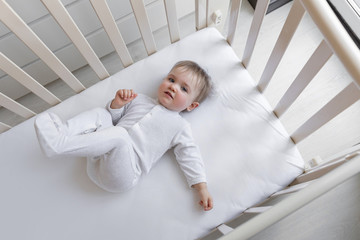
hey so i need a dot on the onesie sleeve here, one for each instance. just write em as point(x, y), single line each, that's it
point(116, 114)
point(188, 156)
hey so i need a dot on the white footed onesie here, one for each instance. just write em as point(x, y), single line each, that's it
point(122, 144)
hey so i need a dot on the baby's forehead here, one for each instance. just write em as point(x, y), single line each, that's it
point(187, 74)
point(180, 69)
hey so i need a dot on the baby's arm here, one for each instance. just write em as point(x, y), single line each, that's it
point(189, 158)
point(122, 97)
point(205, 198)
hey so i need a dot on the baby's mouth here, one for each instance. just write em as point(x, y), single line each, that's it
point(169, 94)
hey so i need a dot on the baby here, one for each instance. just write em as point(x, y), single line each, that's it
point(126, 139)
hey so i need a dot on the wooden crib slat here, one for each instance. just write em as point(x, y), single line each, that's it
point(327, 166)
point(292, 189)
point(260, 11)
point(62, 16)
point(26, 80)
point(144, 25)
point(107, 20)
point(336, 35)
point(172, 20)
point(339, 103)
point(296, 13)
point(24, 32)
point(233, 18)
point(295, 201)
point(200, 14)
point(4, 127)
point(209, 5)
point(15, 107)
point(311, 68)
point(258, 209)
point(224, 229)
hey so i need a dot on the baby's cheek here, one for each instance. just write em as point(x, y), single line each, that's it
point(181, 101)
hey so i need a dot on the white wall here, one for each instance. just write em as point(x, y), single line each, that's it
point(37, 17)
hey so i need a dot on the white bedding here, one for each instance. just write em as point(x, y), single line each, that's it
point(247, 153)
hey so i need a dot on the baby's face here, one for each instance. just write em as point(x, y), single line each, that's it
point(178, 91)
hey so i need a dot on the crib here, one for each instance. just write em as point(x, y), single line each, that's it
point(246, 149)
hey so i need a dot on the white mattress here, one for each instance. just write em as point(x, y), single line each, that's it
point(247, 153)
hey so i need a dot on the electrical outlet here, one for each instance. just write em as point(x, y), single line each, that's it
point(217, 17)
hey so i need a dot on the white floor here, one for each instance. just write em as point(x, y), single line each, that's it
point(340, 133)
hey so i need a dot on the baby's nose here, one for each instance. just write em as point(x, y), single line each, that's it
point(173, 87)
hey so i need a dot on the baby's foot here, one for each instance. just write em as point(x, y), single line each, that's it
point(50, 132)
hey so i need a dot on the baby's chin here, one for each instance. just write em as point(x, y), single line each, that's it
point(172, 108)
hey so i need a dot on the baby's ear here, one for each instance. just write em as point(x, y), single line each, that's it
point(192, 106)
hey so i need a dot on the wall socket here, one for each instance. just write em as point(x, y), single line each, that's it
point(217, 17)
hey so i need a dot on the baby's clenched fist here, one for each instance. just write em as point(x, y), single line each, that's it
point(122, 97)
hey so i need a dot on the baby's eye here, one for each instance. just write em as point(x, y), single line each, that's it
point(184, 89)
point(171, 80)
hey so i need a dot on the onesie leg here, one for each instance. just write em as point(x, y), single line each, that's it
point(49, 128)
point(118, 170)
point(56, 138)
point(89, 121)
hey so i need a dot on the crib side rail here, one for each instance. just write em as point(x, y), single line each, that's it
point(56, 8)
point(61, 15)
point(336, 35)
point(327, 165)
point(25, 79)
point(285, 202)
point(104, 14)
point(144, 25)
point(25, 33)
point(258, 17)
point(203, 16)
point(336, 40)
point(259, 13)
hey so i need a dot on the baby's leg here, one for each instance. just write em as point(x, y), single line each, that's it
point(88, 121)
point(116, 171)
point(85, 122)
point(56, 138)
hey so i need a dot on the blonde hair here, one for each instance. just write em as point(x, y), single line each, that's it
point(203, 80)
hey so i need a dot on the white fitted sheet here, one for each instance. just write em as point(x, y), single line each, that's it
point(247, 153)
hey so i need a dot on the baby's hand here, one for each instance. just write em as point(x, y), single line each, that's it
point(205, 198)
point(122, 97)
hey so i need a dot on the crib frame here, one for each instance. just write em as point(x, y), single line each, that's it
point(336, 40)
